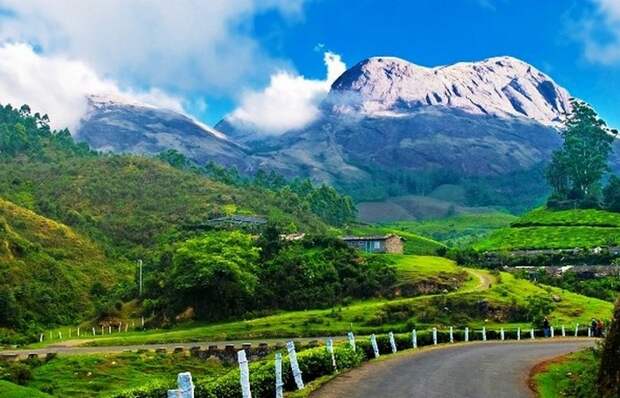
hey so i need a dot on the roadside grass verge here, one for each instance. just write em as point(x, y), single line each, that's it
point(10, 390)
point(571, 376)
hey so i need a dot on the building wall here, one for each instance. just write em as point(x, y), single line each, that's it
point(394, 245)
point(369, 246)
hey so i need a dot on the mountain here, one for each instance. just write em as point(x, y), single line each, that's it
point(390, 128)
point(114, 124)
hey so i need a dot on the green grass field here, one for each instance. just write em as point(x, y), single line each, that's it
point(574, 376)
point(101, 375)
point(457, 230)
point(10, 390)
point(499, 293)
point(546, 229)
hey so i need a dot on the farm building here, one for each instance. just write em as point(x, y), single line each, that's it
point(376, 244)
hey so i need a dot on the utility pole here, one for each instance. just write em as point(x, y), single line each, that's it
point(140, 277)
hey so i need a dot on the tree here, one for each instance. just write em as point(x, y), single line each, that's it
point(538, 308)
point(609, 372)
point(215, 274)
point(611, 194)
point(576, 169)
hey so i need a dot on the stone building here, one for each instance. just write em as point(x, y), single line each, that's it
point(376, 244)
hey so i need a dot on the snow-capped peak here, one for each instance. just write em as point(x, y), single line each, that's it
point(501, 86)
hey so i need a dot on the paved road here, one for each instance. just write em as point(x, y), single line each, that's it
point(474, 370)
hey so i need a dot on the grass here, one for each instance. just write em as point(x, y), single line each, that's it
point(456, 230)
point(414, 244)
point(10, 390)
point(102, 375)
point(547, 229)
point(573, 376)
point(458, 308)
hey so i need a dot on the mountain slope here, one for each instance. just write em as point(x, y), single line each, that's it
point(391, 128)
point(47, 270)
point(116, 125)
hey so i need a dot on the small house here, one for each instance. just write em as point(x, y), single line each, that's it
point(376, 244)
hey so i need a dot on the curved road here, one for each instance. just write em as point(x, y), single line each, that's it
point(474, 370)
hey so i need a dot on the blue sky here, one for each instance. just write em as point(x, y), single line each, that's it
point(264, 59)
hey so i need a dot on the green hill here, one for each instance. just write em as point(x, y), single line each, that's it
point(47, 270)
point(547, 229)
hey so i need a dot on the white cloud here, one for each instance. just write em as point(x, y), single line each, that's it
point(180, 46)
point(58, 86)
point(600, 32)
point(290, 101)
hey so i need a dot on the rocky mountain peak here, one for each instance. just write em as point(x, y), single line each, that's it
point(499, 86)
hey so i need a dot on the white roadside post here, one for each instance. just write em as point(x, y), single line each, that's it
point(78, 332)
point(185, 387)
point(484, 333)
point(414, 338)
point(518, 334)
point(563, 331)
point(375, 347)
point(244, 374)
point(393, 343)
point(576, 330)
point(94, 332)
point(532, 333)
point(290, 346)
point(109, 329)
point(41, 338)
point(434, 336)
point(466, 334)
point(501, 334)
point(351, 340)
point(329, 345)
point(589, 332)
point(451, 334)
point(279, 382)
point(552, 332)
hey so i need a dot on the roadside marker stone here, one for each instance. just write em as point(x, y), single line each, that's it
point(244, 374)
point(552, 332)
point(563, 331)
point(501, 334)
point(375, 348)
point(518, 334)
point(185, 387)
point(484, 334)
point(434, 336)
point(329, 345)
point(589, 332)
point(414, 338)
point(466, 334)
point(290, 346)
point(532, 333)
point(451, 334)
point(351, 340)
point(393, 343)
point(279, 382)
point(576, 330)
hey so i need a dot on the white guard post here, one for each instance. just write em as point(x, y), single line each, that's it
point(532, 333)
point(94, 332)
point(466, 334)
point(563, 331)
point(351, 340)
point(484, 333)
point(41, 338)
point(329, 345)
point(501, 334)
point(576, 330)
point(290, 346)
point(451, 334)
point(279, 382)
point(393, 343)
point(434, 336)
point(375, 347)
point(185, 387)
point(414, 338)
point(552, 332)
point(518, 334)
point(244, 374)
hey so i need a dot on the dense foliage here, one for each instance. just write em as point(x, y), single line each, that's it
point(609, 373)
point(222, 274)
point(577, 168)
point(605, 288)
